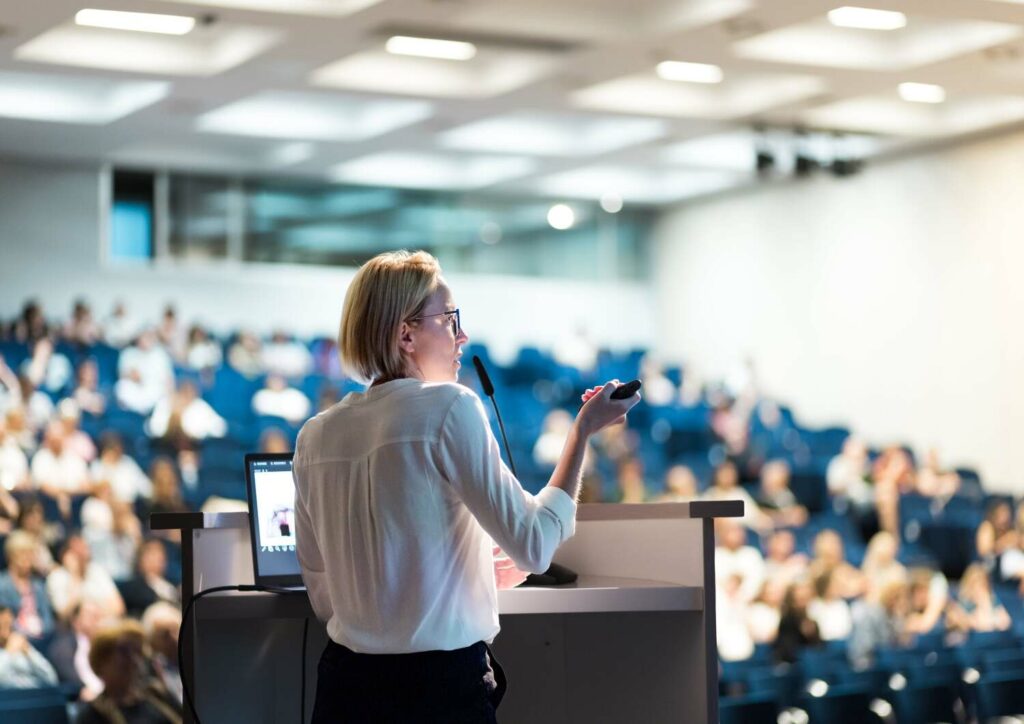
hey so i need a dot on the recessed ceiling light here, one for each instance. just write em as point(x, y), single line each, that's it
point(867, 18)
point(430, 47)
point(140, 22)
point(922, 93)
point(561, 217)
point(689, 72)
point(611, 202)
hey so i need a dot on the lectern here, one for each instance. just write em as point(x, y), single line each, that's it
point(633, 640)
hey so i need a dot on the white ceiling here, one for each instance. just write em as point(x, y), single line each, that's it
point(561, 98)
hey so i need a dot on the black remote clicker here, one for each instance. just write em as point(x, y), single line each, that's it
point(626, 391)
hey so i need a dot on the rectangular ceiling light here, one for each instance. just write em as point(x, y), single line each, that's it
point(922, 93)
point(689, 72)
point(430, 48)
point(141, 22)
point(867, 18)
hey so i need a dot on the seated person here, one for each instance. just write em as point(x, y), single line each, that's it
point(130, 694)
point(22, 590)
point(32, 520)
point(75, 439)
point(782, 561)
point(935, 481)
point(733, 636)
point(167, 496)
point(680, 486)
point(929, 596)
point(124, 475)
point(82, 329)
point(726, 486)
point(284, 356)
point(112, 531)
point(734, 557)
point(79, 579)
point(246, 354)
point(149, 584)
point(797, 630)
point(829, 555)
point(161, 623)
point(56, 470)
point(880, 566)
point(976, 607)
point(632, 488)
point(202, 353)
point(274, 441)
point(776, 499)
point(14, 470)
point(184, 418)
point(69, 650)
point(87, 393)
point(145, 374)
point(878, 622)
point(996, 534)
point(830, 610)
point(277, 399)
point(21, 666)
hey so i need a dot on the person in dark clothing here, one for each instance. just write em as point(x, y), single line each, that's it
point(149, 583)
point(797, 629)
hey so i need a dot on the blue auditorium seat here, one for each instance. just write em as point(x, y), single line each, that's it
point(924, 703)
point(782, 682)
point(749, 709)
point(998, 694)
point(840, 705)
point(33, 706)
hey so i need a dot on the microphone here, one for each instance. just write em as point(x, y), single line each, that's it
point(488, 387)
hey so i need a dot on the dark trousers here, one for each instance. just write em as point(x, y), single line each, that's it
point(463, 686)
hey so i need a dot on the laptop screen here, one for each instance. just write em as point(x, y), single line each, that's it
point(271, 493)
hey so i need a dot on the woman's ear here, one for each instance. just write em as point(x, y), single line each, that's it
point(406, 338)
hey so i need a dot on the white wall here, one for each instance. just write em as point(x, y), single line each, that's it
point(890, 301)
point(50, 222)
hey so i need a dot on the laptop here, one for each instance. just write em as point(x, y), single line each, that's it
point(270, 490)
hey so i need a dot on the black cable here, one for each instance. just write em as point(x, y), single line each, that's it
point(302, 695)
point(184, 621)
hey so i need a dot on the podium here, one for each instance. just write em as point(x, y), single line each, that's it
point(632, 640)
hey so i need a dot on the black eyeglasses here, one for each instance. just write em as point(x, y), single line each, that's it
point(453, 315)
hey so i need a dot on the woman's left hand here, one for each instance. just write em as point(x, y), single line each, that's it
point(505, 572)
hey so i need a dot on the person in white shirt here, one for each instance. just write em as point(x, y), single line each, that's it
point(400, 498)
point(119, 328)
point(124, 475)
point(79, 579)
point(56, 470)
point(733, 557)
point(13, 461)
point(21, 666)
point(286, 357)
point(277, 399)
point(146, 374)
point(185, 417)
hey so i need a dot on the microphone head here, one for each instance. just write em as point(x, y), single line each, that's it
point(485, 379)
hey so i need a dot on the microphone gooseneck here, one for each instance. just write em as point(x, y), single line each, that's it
point(488, 388)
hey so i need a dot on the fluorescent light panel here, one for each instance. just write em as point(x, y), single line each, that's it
point(325, 8)
point(138, 22)
point(922, 92)
point(677, 70)
point(288, 114)
point(430, 48)
point(867, 18)
point(414, 169)
point(70, 99)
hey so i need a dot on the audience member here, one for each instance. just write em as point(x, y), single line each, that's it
point(797, 630)
point(894, 475)
point(680, 485)
point(632, 488)
point(877, 622)
point(245, 355)
point(976, 607)
point(284, 356)
point(146, 374)
point(10, 387)
point(161, 623)
point(726, 486)
point(733, 635)
point(30, 325)
point(69, 650)
point(57, 471)
point(82, 329)
point(829, 555)
point(775, 497)
point(880, 566)
point(733, 557)
point(79, 579)
point(782, 562)
point(274, 441)
point(112, 531)
point(87, 393)
point(21, 666)
point(129, 694)
point(126, 478)
point(37, 405)
point(22, 590)
point(48, 369)
point(32, 521)
point(765, 612)
point(996, 534)
point(75, 440)
point(185, 418)
point(149, 583)
point(202, 353)
point(829, 609)
point(170, 334)
point(14, 470)
point(935, 481)
point(277, 399)
point(929, 596)
point(119, 329)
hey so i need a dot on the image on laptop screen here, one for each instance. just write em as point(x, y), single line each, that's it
point(271, 493)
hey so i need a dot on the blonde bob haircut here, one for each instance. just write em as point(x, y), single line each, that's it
point(389, 289)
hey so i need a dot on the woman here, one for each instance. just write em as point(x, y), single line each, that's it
point(400, 492)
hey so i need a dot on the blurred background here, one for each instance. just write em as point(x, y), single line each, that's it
point(797, 222)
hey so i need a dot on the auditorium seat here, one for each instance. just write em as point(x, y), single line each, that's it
point(749, 709)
